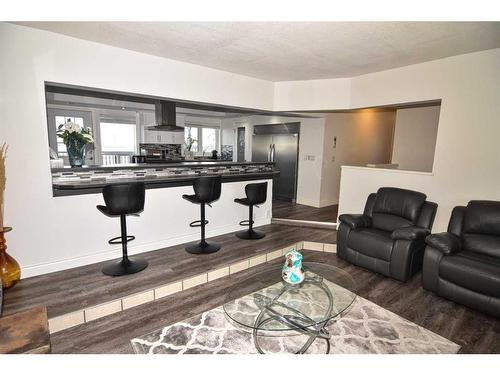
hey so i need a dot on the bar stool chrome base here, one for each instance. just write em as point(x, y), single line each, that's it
point(250, 234)
point(203, 248)
point(124, 266)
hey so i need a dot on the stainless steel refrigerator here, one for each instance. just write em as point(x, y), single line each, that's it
point(279, 143)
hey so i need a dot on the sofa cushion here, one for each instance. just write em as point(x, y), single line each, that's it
point(389, 223)
point(473, 271)
point(395, 208)
point(371, 242)
point(482, 244)
point(482, 217)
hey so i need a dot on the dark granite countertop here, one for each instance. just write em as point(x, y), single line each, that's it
point(89, 180)
point(176, 164)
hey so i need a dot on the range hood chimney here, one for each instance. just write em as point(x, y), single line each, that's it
point(165, 117)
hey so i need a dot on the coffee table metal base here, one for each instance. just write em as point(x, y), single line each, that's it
point(294, 319)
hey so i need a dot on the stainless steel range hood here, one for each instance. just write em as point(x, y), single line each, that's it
point(165, 117)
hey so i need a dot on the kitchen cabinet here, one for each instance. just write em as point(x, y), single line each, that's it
point(155, 136)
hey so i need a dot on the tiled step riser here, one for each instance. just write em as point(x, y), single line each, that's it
point(76, 318)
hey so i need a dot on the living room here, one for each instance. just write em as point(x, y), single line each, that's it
point(137, 217)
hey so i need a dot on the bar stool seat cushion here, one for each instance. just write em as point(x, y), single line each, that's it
point(243, 201)
point(105, 210)
point(193, 198)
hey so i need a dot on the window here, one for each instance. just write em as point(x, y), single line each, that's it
point(118, 142)
point(207, 139)
point(191, 132)
point(60, 120)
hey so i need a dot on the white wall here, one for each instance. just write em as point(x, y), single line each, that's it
point(415, 138)
point(362, 137)
point(312, 95)
point(467, 158)
point(55, 233)
point(61, 231)
point(356, 182)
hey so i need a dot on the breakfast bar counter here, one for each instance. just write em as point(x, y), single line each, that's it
point(91, 179)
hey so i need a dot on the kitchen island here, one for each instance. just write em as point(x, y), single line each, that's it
point(91, 179)
point(84, 233)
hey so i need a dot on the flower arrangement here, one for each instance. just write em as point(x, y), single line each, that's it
point(190, 142)
point(76, 138)
point(188, 154)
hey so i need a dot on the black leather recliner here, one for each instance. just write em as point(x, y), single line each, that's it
point(463, 264)
point(389, 237)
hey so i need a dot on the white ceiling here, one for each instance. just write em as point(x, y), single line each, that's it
point(282, 51)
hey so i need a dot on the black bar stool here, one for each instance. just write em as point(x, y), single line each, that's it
point(256, 194)
point(206, 190)
point(122, 200)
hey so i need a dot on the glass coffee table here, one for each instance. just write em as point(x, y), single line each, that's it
point(267, 306)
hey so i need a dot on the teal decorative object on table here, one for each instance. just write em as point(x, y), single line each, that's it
point(292, 271)
point(76, 138)
point(76, 152)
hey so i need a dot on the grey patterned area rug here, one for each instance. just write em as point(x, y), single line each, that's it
point(365, 328)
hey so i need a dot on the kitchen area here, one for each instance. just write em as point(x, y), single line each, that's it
point(168, 144)
point(163, 142)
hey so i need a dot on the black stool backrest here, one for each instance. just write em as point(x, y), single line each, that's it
point(256, 193)
point(124, 199)
point(208, 188)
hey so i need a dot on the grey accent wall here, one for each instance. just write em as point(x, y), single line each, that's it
point(415, 138)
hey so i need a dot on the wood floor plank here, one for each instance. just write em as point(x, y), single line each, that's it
point(474, 331)
point(71, 290)
point(288, 210)
point(84, 286)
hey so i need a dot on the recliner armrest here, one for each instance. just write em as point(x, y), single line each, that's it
point(410, 233)
point(356, 221)
point(445, 242)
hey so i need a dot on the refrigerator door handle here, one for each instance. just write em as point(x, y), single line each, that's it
point(272, 152)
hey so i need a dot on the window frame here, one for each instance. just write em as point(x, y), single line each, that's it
point(200, 128)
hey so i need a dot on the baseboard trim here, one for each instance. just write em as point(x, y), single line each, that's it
point(305, 223)
point(115, 306)
point(61, 265)
point(306, 202)
point(327, 203)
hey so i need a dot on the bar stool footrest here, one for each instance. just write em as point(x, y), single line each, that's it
point(197, 223)
point(246, 223)
point(118, 240)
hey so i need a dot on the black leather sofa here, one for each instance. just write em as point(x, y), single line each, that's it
point(389, 237)
point(463, 264)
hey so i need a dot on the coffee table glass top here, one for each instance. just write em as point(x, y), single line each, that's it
point(264, 302)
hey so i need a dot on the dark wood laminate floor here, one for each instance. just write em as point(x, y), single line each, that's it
point(474, 331)
point(288, 210)
point(81, 287)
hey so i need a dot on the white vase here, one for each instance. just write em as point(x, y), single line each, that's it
point(188, 155)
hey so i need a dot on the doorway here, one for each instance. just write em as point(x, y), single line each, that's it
point(240, 144)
